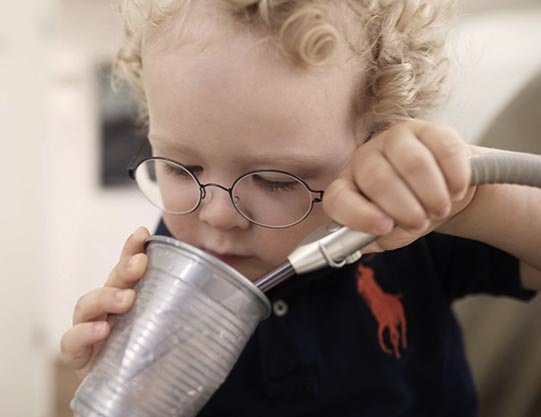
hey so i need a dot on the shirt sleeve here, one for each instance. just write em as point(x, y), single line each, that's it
point(472, 267)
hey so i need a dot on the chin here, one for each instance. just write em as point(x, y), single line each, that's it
point(250, 271)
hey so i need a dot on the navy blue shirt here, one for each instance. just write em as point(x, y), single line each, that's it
point(375, 338)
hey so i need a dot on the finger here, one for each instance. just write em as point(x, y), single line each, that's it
point(76, 344)
point(377, 179)
point(400, 237)
point(373, 247)
point(395, 239)
point(418, 168)
point(127, 271)
point(451, 154)
point(343, 203)
point(135, 243)
point(101, 302)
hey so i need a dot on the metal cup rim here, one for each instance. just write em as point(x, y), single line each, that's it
point(215, 262)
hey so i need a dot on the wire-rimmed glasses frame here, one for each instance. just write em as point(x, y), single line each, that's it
point(315, 195)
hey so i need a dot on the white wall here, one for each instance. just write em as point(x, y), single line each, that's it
point(497, 53)
point(62, 231)
point(484, 6)
point(86, 223)
point(25, 39)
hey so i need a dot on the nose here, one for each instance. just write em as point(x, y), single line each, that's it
point(217, 209)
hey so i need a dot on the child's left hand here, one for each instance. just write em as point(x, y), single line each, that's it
point(402, 184)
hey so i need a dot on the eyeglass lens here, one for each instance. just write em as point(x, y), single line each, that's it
point(268, 198)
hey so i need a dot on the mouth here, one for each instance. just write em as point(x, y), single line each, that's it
point(228, 258)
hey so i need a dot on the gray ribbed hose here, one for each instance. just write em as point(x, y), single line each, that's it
point(506, 168)
point(336, 245)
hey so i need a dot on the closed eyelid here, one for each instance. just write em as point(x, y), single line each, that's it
point(198, 170)
point(194, 169)
point(190, 167)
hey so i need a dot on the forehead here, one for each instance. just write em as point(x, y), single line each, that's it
point(228, 87)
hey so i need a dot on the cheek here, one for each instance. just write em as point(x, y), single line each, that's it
point(181, 227)
point(282, 242)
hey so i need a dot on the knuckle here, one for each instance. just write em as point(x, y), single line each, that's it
point(333, 194)
point(440, 211)
point(452, 149)
point(122, 266)
point(452, 144)
point(415, 218)
point(439, 129)
point(414, 162)
point(415, 222)
point(331, 208)
point(376, 181)
point(440, 205)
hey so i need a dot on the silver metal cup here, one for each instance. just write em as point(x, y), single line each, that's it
point(167, 356)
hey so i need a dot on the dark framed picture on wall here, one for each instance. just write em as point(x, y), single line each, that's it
point(121, 133)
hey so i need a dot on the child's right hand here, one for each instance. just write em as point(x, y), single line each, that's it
point(95, 310)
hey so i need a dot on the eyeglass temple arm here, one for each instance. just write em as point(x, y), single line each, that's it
point(131, 165)
point(335, 245)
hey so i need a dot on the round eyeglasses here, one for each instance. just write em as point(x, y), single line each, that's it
point(266, 197)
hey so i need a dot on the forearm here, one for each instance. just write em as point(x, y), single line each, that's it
point(505, 216)
point(509, 218)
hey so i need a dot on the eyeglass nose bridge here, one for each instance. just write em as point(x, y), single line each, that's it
point(229, 191)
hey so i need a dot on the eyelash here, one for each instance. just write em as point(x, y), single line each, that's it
point(274, 185)
point(171, 169)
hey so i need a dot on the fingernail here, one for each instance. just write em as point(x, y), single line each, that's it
point(384, 225)
point(140, 232)
point(458, 196)
point(441, 214)
point(98, 327)
point(422, 226)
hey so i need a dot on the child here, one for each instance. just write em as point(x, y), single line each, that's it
point(310, 96)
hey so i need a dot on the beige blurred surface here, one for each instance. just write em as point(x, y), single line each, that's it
point(503, 336)
point(517, 126)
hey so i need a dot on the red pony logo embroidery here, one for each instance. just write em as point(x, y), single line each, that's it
point(386, 308)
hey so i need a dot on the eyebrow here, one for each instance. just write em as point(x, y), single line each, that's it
point(301, 163)
point(168, 148)
point(290, 158)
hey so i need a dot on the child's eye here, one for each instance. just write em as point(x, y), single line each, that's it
point(275, 185)
point(180, 171)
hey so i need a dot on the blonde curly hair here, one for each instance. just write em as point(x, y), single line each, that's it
point(401, 44)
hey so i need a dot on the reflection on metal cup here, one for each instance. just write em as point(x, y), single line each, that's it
point(168, 355)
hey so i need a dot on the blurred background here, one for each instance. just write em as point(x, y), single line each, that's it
point(66, 208)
